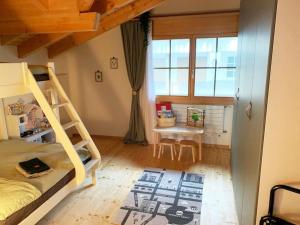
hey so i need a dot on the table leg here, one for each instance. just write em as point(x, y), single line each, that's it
point(155, 143)
point(200, 147)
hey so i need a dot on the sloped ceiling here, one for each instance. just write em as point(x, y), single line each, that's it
point(114, 12)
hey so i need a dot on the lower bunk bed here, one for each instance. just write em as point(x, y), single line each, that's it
point(32, 197)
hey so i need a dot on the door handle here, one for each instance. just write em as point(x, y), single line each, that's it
point(237, 94)
point(248, 110)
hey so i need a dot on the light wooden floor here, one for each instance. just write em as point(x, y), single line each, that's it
point(121, 167)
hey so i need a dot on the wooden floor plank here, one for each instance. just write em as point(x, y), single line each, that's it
point(121, 167)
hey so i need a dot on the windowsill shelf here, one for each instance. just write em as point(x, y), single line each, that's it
point(196, 100)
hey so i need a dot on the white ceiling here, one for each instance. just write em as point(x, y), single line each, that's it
point(173, 7)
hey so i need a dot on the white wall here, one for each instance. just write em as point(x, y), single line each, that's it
point(104, 107)
point(9, 54)
point(281, 152)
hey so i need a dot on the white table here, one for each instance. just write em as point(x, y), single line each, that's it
point(179, 130)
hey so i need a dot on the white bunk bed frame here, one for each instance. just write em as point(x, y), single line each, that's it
point(16, 79)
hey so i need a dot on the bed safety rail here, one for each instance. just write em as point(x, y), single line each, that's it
point(12, 80)
point(270, 219)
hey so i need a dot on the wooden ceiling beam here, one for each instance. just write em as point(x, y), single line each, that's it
point(45, 40)
point(28, 10)
point(85, 5)
point(9, 39)
point(15, 39)
point(81, 5)
point(109, 6)
point(24, 9)
point(108, 22)
point(37, 42)
point(51, 24)
point(41, 4)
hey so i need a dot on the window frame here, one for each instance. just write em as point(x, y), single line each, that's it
point(213, 99)
point(176, 98)
point(191, 99)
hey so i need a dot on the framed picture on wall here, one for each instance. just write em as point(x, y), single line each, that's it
point(98, 76)
point(114, 63)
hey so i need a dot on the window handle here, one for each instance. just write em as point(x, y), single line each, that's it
point(193, 74)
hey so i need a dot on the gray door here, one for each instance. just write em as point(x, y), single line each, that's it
point(255, 46)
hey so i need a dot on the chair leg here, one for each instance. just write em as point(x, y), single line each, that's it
point(159, 151)
point(194, 154)
point(175, 152)
point(200, 153)
point(172, 152)
point(180, 153)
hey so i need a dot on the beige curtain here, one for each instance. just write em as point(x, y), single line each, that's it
point(147, 94)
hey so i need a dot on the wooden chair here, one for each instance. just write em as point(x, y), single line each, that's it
point(166, 142)
point(187, 144)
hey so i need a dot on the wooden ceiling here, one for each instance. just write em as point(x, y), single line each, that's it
point(60, 25)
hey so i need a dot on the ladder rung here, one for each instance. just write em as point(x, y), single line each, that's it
point(55, 106)
point(90, 164)
point(70, 124)
point(80, 144)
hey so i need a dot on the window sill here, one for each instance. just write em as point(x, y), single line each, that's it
point(196, 100)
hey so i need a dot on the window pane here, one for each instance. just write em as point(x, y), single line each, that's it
point(227, 49)
point(225, 82)
point(180, 53)
point(161, 53)
point(206, 52)
point(179, 82)
point(161, 81)
point(204, 82)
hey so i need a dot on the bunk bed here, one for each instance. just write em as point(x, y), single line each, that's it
point(72, 163)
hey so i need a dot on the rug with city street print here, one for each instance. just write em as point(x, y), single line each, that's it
point(162, 197)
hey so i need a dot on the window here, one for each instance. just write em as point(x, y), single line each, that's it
point(215, 66)
point(171, 62)
point(208, 65)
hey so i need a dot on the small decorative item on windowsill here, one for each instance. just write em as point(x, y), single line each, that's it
point(195, 117)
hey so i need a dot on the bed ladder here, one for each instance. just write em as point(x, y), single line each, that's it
point(82, 170)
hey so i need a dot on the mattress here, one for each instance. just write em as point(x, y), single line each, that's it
point(14, 151)
point(20, 215)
